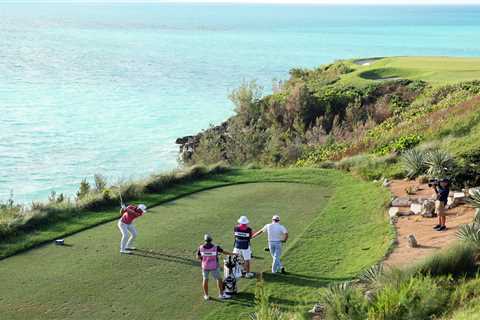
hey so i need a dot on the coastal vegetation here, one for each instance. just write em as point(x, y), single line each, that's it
point(329, 117)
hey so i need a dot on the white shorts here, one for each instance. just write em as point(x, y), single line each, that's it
point(245, 253)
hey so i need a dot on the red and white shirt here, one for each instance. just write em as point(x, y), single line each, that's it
point(130, 213)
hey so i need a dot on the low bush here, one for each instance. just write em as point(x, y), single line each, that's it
point(344, 302)
point(420, 297)
point(265, 310)
point(457, 261)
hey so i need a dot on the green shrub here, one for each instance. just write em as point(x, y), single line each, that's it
point(456, 261)
point(418, 298)
point(100, 182)
point(400, 144)
point(264, 310)
point(84, 189)
point(414, 162)
point(344, 302)
point(160, 182)
point(465, 291)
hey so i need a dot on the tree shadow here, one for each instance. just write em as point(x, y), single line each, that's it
point(302, 280)
point(166, 257)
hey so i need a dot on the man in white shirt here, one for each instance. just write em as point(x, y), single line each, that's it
point(277, 234)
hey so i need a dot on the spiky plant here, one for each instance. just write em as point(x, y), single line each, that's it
point(344, 301)
point(470, 233)
point(414, 162)
point(372, 274)
point(439, 163)
point(475, 199)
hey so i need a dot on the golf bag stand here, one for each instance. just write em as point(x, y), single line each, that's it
point(232, 271)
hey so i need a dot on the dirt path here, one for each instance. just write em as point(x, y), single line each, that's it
point(428, 239)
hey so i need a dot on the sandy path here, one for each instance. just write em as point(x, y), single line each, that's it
point(428, 239)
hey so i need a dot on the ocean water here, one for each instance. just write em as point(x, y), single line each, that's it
point(90, 88)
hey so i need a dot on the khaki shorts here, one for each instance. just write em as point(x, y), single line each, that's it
point(440, 208)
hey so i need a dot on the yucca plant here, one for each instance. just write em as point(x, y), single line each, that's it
point(414, 162)
point(344, 302)
point(372, 274)
point(439, 163)
point(469, 233)
point(475, 199)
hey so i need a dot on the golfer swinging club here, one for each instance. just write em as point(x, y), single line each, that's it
point(277, 234)
point(125, 224)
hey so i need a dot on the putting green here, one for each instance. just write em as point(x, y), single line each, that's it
point(89, 279)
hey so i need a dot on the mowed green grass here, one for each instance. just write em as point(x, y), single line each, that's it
point(337, 226)
point(436, 70)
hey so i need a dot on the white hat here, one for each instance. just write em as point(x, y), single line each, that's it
point(276, 218)
point(243, 220)
point(142, 207)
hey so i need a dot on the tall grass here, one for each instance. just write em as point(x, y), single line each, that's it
point(17, 218)
point(265, 310)
point(428, 290)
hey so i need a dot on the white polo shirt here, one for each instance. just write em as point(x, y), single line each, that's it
point(275, 231)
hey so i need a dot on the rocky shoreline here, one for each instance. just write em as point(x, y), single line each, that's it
point(188, 144)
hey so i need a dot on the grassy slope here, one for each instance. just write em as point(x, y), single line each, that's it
point(436, 70)
point(84, 279)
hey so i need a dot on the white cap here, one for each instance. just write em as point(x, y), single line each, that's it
point(276, 218)
point(243, 220)
point(142, 207)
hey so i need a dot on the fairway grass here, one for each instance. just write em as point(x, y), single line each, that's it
point(436, 70)
point(336, 223)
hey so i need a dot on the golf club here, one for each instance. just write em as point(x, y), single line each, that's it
point(121, 199)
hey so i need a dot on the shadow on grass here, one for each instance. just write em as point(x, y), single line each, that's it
point(247, 299)
point(166, 257)
point(302, 280)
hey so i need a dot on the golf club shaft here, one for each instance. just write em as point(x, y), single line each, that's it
point(121, 199)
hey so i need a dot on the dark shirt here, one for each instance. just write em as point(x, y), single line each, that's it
point(442, 194)
point(243, 234)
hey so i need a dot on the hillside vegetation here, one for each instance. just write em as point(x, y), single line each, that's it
point(355, 117)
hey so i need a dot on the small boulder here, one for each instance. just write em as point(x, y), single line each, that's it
point(401, 202)
point(393, 212)
point(386, 183)
point(318, 309)
point(416, 208)
point(428, 208)
point(459, 198)
point(412, 241)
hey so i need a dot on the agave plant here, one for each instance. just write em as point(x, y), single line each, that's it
point(439, 163)
point(414, 162)
point(475, 200)
point(470, 233)
point(372, 274)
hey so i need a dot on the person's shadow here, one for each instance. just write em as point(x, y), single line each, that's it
point(166, 257)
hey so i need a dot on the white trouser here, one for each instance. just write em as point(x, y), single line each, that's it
point(125, 229)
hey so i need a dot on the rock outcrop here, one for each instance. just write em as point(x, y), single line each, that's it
point(189, 144)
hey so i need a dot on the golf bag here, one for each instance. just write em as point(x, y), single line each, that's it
point(232, 271)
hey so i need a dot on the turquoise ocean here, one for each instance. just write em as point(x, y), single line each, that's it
point(97, 88)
